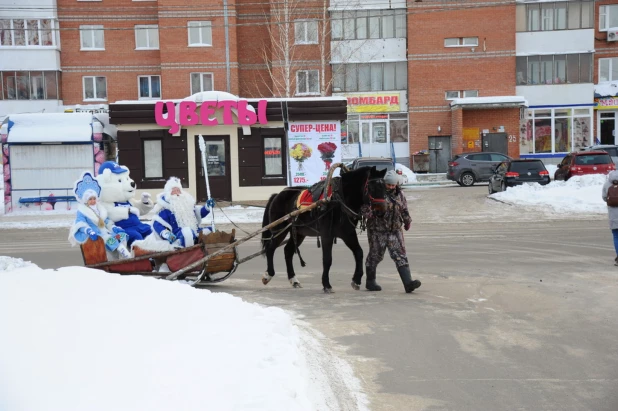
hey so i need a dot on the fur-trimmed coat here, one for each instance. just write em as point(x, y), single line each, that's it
point(86, 218)
point(166, 220)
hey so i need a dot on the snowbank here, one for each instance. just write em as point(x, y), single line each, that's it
point(409, 174)
point(578, 195)
point(80, 339)
point(551, 168)
point(10, 263)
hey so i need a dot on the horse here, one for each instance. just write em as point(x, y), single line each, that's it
point(336, 219)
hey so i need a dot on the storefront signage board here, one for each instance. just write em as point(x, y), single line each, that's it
point(313, 146)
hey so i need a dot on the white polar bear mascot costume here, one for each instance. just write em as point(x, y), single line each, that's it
point(117, 191)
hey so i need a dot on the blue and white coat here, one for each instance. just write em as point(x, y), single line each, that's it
point(86, 219)
point(167, 220)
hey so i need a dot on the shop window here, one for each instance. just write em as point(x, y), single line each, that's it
point(349, 130)
point(95, 88)
point(307, 82)
point(153, 158)
point(399, 128)
point(559, 130)
point(149, 87)
point(306, 32)
point(201, 82)
point(273, 157)
point(92, 37)
point(147, 37)
point(200, 33)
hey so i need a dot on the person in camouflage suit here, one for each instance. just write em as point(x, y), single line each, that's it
point(384, 231)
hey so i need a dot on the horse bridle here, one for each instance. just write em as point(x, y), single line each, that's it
point(366, 193)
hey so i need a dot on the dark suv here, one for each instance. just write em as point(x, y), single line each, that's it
point(469, 168)
point(516, 172)
point(380, 163)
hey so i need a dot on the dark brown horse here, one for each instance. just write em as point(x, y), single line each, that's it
point(337, 219)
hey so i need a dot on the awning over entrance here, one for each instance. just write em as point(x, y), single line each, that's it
point(489, 102)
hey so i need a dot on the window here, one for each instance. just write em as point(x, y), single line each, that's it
point(608, 17)
point(562, 15)
point(91, 37)
point(306, 32)
point(147, 37)
point(153, 158)
point(201, 82)
point(95, 88)
point(498, 157)
point(149, 86)
point(461, 42)
point(556, 69)
point(608, 70)
point(557, 130)
point(273, 159)
point(479, 157)
point(200, 33)
point(450, 95)
point(470, 93)
point(29, 85)
point(307, 82)
point(26, 33)
point(368, 24)
point(370, 77)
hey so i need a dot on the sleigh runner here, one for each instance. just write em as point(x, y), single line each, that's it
point(210, 270)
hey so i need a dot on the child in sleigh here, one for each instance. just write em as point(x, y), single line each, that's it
point(92, 221)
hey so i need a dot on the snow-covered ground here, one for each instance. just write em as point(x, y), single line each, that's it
point(580, 194)
point(77, 339)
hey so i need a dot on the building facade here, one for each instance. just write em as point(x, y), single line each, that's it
point(606, 73)
point(30, 65)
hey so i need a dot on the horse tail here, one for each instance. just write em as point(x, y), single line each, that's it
point(267, 235)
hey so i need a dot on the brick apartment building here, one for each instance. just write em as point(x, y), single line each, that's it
point(441, 76)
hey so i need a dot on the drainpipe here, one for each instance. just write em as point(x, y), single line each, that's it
point(227, 48)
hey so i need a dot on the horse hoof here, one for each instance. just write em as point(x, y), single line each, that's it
point(355, 286)
point(328, 291)
point(266, 278)
point(295, 283)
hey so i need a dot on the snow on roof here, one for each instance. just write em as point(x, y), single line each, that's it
point(50, 127)
point(606, 89)
point(494, 100)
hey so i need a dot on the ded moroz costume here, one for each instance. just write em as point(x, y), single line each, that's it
point(178, 220)
point(92, 221)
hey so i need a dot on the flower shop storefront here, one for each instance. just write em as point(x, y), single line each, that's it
point(291, 142)
point(548, 133)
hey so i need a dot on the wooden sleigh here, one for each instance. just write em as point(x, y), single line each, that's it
point(212, 270)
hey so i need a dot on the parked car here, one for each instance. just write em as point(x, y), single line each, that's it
point(469, 168)
point(517, 172)
point(612, 150)
point(380, 163)
point(584, 162)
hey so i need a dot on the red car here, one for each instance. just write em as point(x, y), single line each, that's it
point(583, 163)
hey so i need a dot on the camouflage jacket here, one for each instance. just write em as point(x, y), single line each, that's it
point(395, 216)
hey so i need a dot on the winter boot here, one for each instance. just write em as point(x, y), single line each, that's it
point(406, 279)
point(616, 261)
point(371, 284)
point(122, 250)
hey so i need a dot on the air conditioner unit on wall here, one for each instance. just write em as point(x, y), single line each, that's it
point(612, 34)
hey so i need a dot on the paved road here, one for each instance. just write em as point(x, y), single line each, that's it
point(515, 313)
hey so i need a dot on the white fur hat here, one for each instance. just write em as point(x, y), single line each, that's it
point(172, 183)
point(87, 195)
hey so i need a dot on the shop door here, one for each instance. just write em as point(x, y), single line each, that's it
point(439, 153)
point(496, 142)
point(607, 128)
point(375, 138)
point(218, 160)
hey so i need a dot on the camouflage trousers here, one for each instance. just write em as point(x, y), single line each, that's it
point(379, 241)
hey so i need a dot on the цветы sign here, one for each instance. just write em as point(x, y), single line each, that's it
point(186, 113)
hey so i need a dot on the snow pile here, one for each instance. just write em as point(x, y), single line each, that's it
point(80, 339)
point(410, 176)
point(10, 263)
point(551, 168)
point(606, 89)
point(581, 194)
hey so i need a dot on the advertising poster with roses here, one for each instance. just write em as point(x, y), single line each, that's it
point(313, 147)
